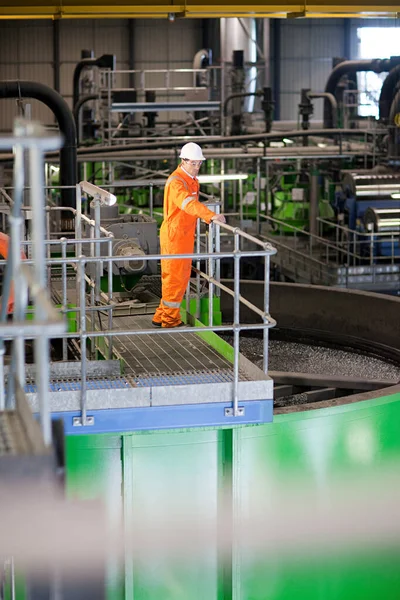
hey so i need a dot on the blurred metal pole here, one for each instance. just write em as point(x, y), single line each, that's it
point(210, 273)
point(236, 321)
point(64, 291)
point(42, 357)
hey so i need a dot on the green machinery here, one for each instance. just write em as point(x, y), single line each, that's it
point(290, 202)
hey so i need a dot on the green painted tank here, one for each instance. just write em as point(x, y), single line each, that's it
point(319, 475)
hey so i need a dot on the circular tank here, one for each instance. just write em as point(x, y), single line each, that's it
point(304, 508)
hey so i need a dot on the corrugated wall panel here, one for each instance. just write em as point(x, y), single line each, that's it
point(177, 43)
point(36, 42)
point(102, 36)
point(112, 37)
point(25, 54)
point(307, 50)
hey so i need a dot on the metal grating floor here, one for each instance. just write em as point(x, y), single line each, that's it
point(146, 380)
point(148, 355)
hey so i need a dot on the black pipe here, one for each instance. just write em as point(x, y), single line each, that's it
point(66, 124)
point(241, 95)
point(86, 62)
point(77, 109)
point(388, 92)
point(350, 67)
point(331, 98)
point(394, 127)
point(107, 61)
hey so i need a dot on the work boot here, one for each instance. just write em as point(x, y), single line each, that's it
point(155, 324)
point(181, 324)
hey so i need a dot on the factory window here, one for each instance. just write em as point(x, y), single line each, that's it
point(374, 42)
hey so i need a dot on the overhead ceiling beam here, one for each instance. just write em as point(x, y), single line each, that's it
point(77, 9)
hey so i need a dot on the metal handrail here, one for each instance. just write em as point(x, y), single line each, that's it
point(33, 139)
point(212, 256)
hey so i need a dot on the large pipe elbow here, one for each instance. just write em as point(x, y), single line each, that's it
point(66, 123)
point(106, 61)
point(376, 65)
point(388, 92)
point(394, 128)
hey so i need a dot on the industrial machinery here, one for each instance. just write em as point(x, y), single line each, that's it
point(155, 420)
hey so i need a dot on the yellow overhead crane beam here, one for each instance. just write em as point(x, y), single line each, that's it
point(107, 9)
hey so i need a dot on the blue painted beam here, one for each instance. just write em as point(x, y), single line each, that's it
point(167, 417)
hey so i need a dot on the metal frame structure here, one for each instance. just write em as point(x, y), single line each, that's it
point(32, 139)
point(82, 265)
point(50, 9)
point(87, 261)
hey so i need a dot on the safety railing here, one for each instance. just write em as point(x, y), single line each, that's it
point(28, 280)
point(355, 248)
point(308, 255)
point(158, 80)
point(332, 256)
point(87, 264)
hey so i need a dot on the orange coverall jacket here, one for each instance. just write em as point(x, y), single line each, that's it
point(181, 211)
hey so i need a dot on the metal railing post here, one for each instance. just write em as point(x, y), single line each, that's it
point(98, 267)
point(110, 296)
point(236, 325)
point(92, 340)
point(210, 274)
point(198, 283)
point(217, 251)
point(82, 335)
point(64, 290)
point(266, 311)
point(258, 197)
point(36, 160)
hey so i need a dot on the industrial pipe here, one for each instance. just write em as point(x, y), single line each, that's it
point(106, 61)
point(353, 66)
point(77, 110)
point(330, 98)
point(66, 123)
point(241, 95)
point(251, 137)
point(384, 220)
point(388, 92)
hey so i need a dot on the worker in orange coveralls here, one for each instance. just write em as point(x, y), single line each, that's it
point(182, 208)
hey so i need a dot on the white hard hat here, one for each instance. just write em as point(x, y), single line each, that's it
point(192, 151)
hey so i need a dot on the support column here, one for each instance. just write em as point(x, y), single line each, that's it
point(131, 50)
point(56, 55)
point(267, 52)
point(276, 84)
point(314, 202)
